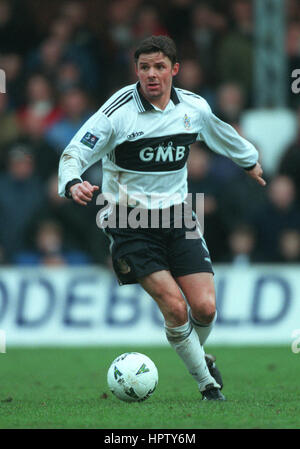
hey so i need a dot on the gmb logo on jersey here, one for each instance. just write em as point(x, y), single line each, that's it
point(162, 153)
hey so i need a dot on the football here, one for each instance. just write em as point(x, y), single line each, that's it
point(132, 377)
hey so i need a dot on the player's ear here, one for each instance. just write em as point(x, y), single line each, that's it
point(175, 69)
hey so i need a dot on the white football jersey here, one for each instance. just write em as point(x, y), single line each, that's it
point(144, 150)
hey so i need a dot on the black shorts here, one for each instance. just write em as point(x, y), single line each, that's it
point(139, 252)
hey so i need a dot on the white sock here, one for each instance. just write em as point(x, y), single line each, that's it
point(185, 341)
point(203, 330)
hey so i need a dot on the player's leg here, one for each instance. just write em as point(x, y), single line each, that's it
point(179, 331)
point(164, 290)
point(199, 291)
point(191, 267)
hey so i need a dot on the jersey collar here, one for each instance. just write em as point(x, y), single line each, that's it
point(144, 105)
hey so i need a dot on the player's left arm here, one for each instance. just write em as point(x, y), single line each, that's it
point(223, 139)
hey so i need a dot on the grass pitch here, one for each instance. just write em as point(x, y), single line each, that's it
point(66, 388)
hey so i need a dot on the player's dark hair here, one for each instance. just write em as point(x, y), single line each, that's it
point(155, 44)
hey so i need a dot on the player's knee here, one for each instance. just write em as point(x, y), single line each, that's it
point(176, 315)
point(208, 315)
point(172, 305)
point(205, 311)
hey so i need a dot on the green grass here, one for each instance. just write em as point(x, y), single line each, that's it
point(66, 388)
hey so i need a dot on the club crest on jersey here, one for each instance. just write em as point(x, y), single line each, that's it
point(186, 121)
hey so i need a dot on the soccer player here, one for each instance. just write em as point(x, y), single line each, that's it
point(142, 134)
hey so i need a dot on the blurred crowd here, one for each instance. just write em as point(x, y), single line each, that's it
point(64, 58)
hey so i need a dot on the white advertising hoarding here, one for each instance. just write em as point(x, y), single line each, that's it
point(84, 306)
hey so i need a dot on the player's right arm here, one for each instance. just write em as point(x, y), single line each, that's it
point(90, 144)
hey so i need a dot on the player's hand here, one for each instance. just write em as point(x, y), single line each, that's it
point(256, 173)
point(82, 193)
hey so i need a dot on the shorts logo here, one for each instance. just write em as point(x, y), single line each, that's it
point(123, 266)
point(89, 140)
point(186, 121)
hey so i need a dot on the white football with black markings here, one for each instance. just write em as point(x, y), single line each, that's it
point(132, 377)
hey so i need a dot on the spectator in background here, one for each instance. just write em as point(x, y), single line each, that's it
point(61, 29)
point(290, 161)
point(21, 195)
point(68, 77)
point(40, 103)
point(75, 111)
point(279, 213)
point(75, 13)
point(58, 48)
point(289, 246)
point(206, 26)
point(32, 137)
point(49, 248)
point(8, 124)
point(235, 51)
point(191, 77)
point(241, 246)
point(148, 23)
point(119, 19)
point(229, 107)
point(79, 47)
point(230, 103)
point(177, 17)
point(71, 219)
point(46, 58)
point(200, 180)
point(34, 117)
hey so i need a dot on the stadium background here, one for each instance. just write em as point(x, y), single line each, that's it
point(62, 59)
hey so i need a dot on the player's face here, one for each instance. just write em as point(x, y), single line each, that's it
point(155, 72)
